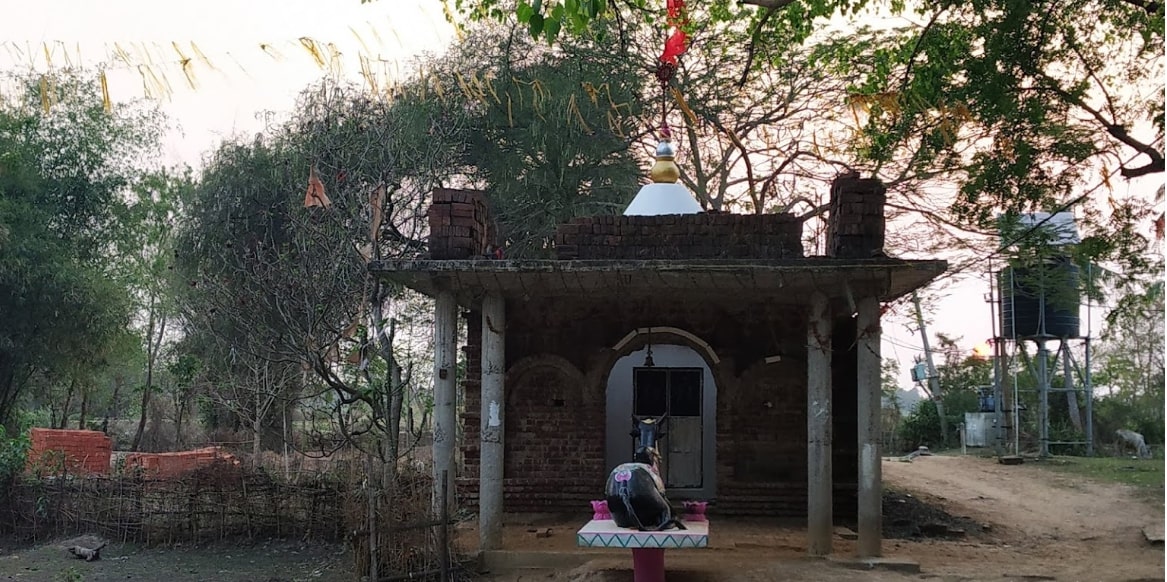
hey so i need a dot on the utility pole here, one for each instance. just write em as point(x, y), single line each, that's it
point(933, 377)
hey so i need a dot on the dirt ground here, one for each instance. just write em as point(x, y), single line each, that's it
point(1019, 523)
point(272, 561)
point(960, 518)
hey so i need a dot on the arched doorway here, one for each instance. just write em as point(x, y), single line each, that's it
point(680, 383)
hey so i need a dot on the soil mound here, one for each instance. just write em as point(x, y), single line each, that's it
point(908, 517)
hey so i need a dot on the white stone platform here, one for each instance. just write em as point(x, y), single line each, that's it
point(606, 534)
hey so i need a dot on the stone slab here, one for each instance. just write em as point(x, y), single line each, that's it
point(1154, 534)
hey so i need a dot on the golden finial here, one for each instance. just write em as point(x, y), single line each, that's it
point(665, 170)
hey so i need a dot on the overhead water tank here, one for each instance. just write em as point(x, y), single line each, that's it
point(1040, 301)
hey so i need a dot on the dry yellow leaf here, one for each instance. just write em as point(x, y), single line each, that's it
point(689, 115)
point(105, 101)
point(310, 46)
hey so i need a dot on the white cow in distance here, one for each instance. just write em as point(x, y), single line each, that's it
point(1132, 439)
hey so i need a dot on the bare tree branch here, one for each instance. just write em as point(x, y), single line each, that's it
point(1151, 8)
point(775, 4)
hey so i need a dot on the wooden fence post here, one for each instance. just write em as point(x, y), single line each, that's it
point(372, 490)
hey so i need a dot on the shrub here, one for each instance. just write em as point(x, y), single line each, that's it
point(922, 426)
point(13, 456)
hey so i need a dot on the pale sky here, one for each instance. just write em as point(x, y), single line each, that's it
point(243, 80)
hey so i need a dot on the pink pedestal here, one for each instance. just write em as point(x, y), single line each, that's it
point(600, 510)
point(694, 510)
point(648, 565)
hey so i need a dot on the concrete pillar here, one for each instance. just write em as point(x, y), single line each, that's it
point(818, 427)
point(445, 396)
point(493, 408)
point(870, 428)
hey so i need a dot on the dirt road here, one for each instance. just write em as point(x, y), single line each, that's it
point(1043, 523)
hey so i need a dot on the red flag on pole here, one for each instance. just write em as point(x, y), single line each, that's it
point(676, 43)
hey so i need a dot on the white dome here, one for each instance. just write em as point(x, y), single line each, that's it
point(661, 199)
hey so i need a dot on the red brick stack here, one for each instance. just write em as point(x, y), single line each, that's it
point(460, 225)
point(174, 465)
point(855, 229)
point(78, 452)
point(688, 236)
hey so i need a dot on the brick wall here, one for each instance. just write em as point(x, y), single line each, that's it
point(553, 434)
point(470, 399)
point(554, 452)
point(855, 227)
point(554, 437)
point(761, 432)
point(460, 225)
point(85, 452)
point(690, 236)
point(761, 441)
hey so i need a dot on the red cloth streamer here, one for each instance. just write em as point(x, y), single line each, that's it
point(674, 46)
point(677, 42)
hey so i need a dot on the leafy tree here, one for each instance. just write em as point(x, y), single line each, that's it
point(1131, 358)
point(238, 281)
point(1002, 61)
point(64, 168)
point(968, 108)
point(184, 371)
point(891, 405)
point(544, 132)
point(276, 294)
point(960, 378)
point(889, 386)
point(157, 202)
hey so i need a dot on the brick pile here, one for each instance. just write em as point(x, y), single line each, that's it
point(855, 228)
point(460, 225)
point(175, 465)
point(85, 452)
point(687, 236)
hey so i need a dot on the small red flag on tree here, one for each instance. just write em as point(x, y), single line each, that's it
point(315, 195)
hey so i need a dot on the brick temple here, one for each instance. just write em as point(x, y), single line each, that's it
point(766, 360)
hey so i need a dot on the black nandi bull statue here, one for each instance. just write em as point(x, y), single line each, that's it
point(635, 491)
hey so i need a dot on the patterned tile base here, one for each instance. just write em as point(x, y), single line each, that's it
point(605, 534)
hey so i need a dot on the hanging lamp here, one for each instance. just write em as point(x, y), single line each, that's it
point(648, 363)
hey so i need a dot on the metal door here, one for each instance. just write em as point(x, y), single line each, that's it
point(677, 392)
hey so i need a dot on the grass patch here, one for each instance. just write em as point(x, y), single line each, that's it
point(1143, 474)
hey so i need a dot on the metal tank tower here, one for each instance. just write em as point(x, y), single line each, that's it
point(1037, 299)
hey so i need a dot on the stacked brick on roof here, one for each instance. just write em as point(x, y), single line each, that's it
point(682, 236)
point(856, 225)
point(460, 225)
